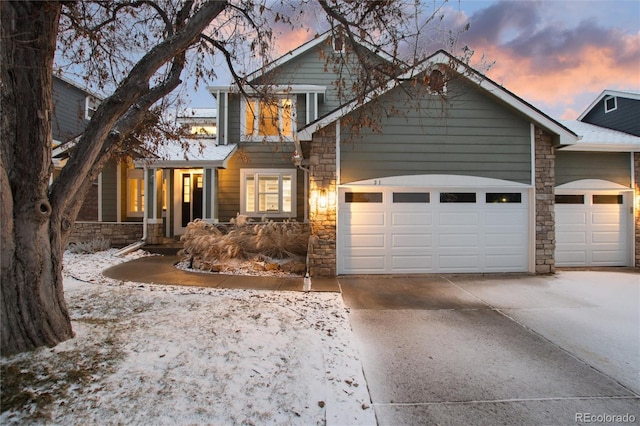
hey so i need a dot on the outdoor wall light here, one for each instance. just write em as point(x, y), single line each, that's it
point(322, 199)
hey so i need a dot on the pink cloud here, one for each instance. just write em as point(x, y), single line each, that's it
point(589, 69)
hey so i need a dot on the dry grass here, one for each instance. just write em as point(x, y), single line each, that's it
point(210, 244)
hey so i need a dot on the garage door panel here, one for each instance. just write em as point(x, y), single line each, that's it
point(611, 218)
point(412, 240)
point(412, 263)
point(511, 218)
point(411, 218)
point(504, 240)
point(458, 218)
point(496, 263)
point(364, 264)
point(571, 237)
point(363, 218)
point(611, 237)
point(604, 257)
point(570, 217)
point(452, 263)
point(364, 240)
point(458, 240)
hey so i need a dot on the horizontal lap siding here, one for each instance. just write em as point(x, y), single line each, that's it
point(68, 104)
point(610, 166)
point(312, 68)
point(468, 134)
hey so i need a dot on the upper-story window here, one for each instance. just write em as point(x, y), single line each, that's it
point(270, 120)
point(91, 104)
point(610, 104)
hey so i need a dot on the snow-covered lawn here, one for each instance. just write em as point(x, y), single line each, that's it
point(148, 354)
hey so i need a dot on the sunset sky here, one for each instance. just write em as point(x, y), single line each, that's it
point(557, 55)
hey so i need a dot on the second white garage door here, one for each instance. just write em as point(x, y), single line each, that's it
point(387, 230)
point(593, 228)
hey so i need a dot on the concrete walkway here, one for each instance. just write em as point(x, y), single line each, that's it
point(162, 270)
point(480, 350)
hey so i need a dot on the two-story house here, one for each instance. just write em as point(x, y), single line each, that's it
point(441, 170)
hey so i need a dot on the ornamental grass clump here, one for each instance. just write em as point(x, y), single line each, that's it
point(209, 246)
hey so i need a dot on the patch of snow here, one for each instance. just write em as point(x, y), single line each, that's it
point(149, 354)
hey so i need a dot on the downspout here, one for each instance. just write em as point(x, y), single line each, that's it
point(297, 161)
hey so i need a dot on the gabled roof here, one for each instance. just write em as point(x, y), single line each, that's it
point(596, 138)
point(305, 47)
point(565, 136)
point(628, 94)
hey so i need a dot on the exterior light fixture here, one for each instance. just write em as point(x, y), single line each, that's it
point(322, 199)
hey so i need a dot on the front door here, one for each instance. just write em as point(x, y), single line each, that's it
point(190, 184)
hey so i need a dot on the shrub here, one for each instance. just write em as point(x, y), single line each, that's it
point(212, 243)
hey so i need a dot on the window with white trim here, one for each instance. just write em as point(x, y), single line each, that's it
point(135, 192)
point(268, 192)
point(91, 104)
point(610, 104)
point(268, 120)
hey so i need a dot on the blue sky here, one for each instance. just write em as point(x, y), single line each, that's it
point(557, 55)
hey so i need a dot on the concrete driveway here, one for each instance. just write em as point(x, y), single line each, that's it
point(489, 350)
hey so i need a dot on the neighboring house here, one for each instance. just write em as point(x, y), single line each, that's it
point(73, 107)
point(457, 174)
point(597, 185)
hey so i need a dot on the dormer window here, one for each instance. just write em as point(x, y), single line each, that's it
point(270, 120)
point(610, 104)
point(91, 104)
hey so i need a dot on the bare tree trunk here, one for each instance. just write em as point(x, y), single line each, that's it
point(34, 311)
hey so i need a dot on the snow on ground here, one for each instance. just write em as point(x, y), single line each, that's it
point(149, 354)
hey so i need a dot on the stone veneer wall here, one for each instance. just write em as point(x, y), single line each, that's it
point(636, 208)
point(545, 202)
point(119, 233)
point(322, 175)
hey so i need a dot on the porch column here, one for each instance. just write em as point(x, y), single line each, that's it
point(153, 205)
point(209, 201)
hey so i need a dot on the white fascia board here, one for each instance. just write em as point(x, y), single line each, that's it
point(276, 89)
point(607, 92)
point(602, 147)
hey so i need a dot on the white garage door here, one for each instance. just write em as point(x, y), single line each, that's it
point(593, 228)
point(424, 230)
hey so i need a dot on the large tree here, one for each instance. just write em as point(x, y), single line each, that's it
point(136, 51)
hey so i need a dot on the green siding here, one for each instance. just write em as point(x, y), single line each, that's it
point(109, 192)
point(611, 166)
point(468, 133)
point(317, 67)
